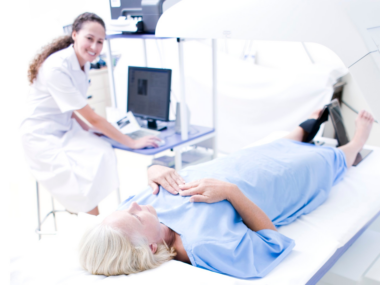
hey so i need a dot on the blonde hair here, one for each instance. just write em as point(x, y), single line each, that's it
point(105, 250)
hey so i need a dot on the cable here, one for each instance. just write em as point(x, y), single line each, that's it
point(160, 54)
point(244, 49)
point(308, 53)
point(361, 58)
point(172, 92)
point(353, 110)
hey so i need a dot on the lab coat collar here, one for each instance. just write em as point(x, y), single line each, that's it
point(74, 60)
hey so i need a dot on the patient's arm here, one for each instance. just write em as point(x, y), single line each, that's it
point(166, 177)
point(252, 215)
point(212, 191)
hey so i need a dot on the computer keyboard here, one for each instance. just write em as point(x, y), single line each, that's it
point(143, 133)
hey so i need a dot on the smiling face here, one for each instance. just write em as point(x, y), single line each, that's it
point(138, 221)
point(88, 42)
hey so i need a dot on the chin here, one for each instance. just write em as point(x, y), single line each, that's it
point(88, 58)
point(153, 210)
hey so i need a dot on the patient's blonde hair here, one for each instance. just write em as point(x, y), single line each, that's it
point(105, 250)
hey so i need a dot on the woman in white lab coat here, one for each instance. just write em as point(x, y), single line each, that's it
point(77, 167)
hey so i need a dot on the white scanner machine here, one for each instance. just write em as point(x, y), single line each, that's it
point(350, 28)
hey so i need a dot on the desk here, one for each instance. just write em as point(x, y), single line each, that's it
point(172, 141)
point(177, 142)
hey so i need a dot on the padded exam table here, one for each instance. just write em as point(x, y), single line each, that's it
point(321, 238)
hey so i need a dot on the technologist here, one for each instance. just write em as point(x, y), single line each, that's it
point(76, 166)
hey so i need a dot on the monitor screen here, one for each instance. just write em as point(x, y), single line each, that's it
point(149, 92)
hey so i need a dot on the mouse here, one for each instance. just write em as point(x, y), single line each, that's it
point(160, 143)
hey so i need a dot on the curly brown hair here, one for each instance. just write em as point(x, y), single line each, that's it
point(60, 43)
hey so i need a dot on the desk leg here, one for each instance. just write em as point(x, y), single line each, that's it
point(110, 73)
point(215, 95)
point(214, 146)
point(178, 158)
point(145, 53)
point(184, 125)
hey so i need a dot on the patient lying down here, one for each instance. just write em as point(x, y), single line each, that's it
point(222, 215)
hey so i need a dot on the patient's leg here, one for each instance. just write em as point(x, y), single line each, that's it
point(363, 125)
point(298, 134)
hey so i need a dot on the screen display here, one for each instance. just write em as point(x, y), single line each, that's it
point(149, 92)
point(123, 122)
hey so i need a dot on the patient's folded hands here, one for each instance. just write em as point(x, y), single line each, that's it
point(207, 190)
point(166, 177)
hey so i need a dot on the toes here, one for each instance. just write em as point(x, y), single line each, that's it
point(365, 115)
point(361, 113)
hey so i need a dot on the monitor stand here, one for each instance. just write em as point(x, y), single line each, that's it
point(152, 124)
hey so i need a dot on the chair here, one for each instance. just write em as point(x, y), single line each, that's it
point(53, 212)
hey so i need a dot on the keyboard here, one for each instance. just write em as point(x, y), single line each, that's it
point(143, 133)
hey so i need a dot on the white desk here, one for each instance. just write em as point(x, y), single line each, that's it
point(172, 141)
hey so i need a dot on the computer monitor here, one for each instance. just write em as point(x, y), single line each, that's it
point(149, 93)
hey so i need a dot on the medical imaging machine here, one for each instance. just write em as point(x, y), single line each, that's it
point(350, 28)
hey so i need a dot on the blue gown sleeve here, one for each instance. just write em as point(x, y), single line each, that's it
point(255, 255)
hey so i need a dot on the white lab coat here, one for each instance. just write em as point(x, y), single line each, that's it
point(77, 167)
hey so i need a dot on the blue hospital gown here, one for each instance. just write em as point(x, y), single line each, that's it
point(286, 179)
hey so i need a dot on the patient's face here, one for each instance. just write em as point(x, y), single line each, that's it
point(137, 221)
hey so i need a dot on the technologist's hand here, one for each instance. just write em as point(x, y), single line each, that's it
point(207, 190)
point(166, 177)
point(146, 141)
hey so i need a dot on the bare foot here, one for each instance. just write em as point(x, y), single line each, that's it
point(363, 124)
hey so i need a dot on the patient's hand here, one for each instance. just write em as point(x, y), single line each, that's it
point(166, 177)
point(207, 190)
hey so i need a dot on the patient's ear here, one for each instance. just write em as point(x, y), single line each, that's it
point(153, 247)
